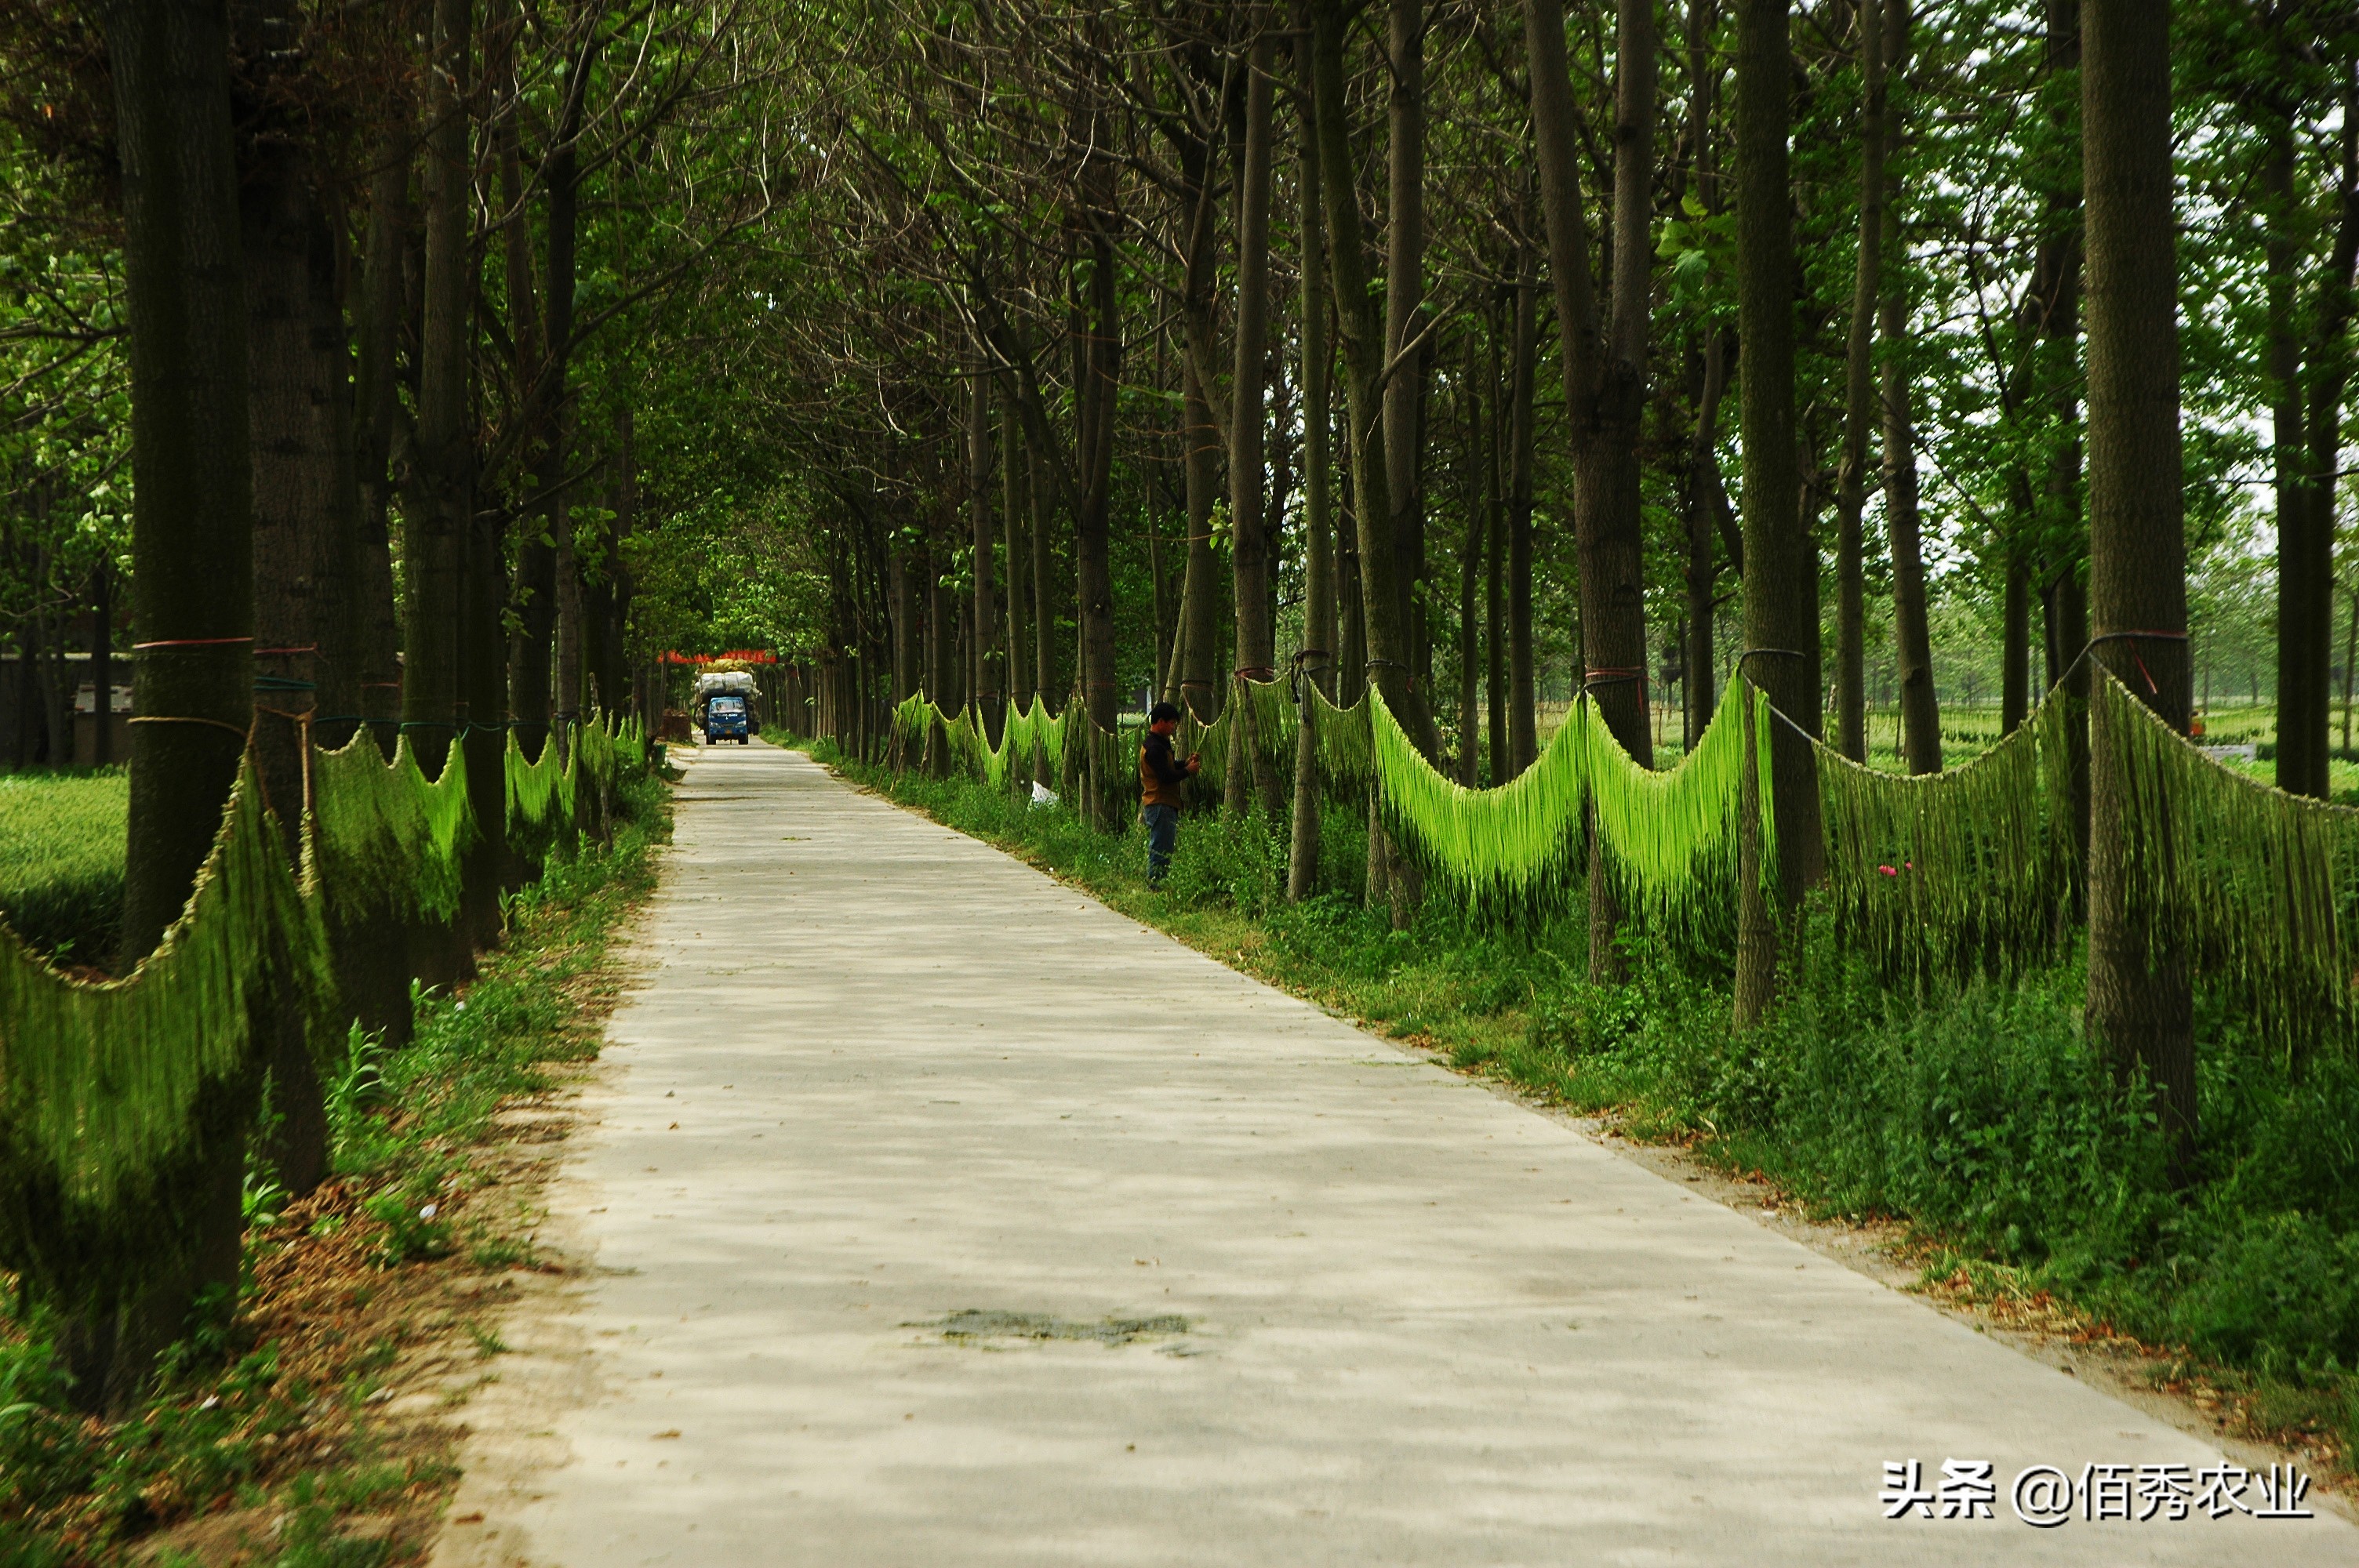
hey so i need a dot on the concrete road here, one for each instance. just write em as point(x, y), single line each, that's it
point(942, 1217)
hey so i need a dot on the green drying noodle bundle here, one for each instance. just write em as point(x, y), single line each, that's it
point(970, 750)
point(1270, 706)
point(388, 842)
point(1341, 734)
point(1513, 846)
point(911, 717)
point(1966, 869)
point(2244, 880)
point(1671, 838)
point(602, 750)
point(541, 798)
point(1209, 743)
point(1031, 742)
point(109, 1088)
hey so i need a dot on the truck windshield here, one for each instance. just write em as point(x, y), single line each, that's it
point(728, 704)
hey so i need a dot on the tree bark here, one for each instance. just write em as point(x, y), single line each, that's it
point(1523, 697)
point(1314, 668)
point(557, 476)
point(1494, 528)
point(1403, 394)
point(2139, 1001)
point(2015, 675)
point(1363, 338)
point(378, 411)
point(192, 597)
point(1781, 575)
point(303, 523)
point(1383, 597)
point(1100, 358)
point(1859, 401)
point(1705, 499)
point(1469, 574)
point(2306, 553)
point(990, 688)
point(1045, 597)
point(439, 511)
point(1257, 642)
point(1604, 366)
point(1019, 564)
point(1921, 716)
point(531, 646)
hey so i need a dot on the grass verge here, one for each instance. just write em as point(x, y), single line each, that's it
point(61, 849)
point(1975, 1115)
point(284, 1435)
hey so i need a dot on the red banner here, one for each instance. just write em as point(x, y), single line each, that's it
point(738, 655)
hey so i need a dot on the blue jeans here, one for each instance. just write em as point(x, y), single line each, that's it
point(1162, 829)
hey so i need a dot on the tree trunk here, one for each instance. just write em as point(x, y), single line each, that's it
point(557, 476)
point(1404, 295)
point(479, 595)
point(1603, 363)
point(618, 571)
point(1470, 572)
point(1381, 597)
point(1020, 565)
point(192, 596)
point(1495, 547)
point(1920, 716)
point(301, 525)
point(1257, 642)
point(1314, 669)
point(380, 674)
point(2306, 555)
point(1523, 703)
point(1705, 498)
point(2066, 594)
point(534, 641)
point(439, 512)
point(990, 688)
point(1781, 575)
point(2288, 449)
point(1199, 439)
point(2015, 677)
point(1851, 610)
point(1363, 340)
point(1045, 597)
point(2139, 1003)
point(1095, 396)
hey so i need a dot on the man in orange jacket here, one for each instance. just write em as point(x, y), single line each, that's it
point(1162, 780)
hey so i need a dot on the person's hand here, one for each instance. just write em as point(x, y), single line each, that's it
point(1195, 761)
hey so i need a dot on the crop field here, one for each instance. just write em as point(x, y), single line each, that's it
point(61, 838)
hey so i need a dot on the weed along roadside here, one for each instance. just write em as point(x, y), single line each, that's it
point(316, 1424)
point(1969, 1129)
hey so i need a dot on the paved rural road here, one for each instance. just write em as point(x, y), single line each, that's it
point(882, 1074)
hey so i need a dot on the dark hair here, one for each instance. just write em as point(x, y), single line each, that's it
point(1162, 711)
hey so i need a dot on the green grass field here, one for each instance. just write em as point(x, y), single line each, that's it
point(61, 838)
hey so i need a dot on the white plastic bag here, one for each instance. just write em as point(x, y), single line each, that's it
point(1042, 796)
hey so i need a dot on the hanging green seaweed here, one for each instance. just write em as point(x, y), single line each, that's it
point(115, 1094)
point(1515, 846)
point(1966, 869)
point(108, 1088)
point(1668, 838)
point(1671, 838)
point(389, 842)
point(2247, 881)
